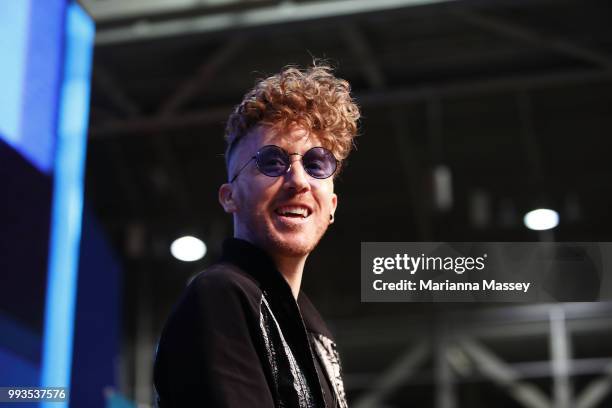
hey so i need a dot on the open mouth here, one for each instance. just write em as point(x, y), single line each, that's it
point(293, 211)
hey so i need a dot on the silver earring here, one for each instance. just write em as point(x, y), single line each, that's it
point(331, 217)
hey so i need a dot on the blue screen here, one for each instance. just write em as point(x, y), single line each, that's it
point(31, 40)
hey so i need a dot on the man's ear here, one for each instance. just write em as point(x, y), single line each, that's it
point(334, 203)
point(226, 198)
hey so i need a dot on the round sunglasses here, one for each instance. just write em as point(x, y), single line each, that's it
point(273, 161)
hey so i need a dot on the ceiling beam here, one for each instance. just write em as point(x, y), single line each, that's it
point(105, 83)
point(518, 32)
point(596, 390)
point(530, 139)
point(155, 124)
point(393, 377)
point(413, 170)
point(481, 86)
point(359, 47)
point(283, 12)
point(112, 10)
point(560, 352)
point(203, 76)
point(502, 374)
point(390, 97)
point(186, 92)
point(525, 370)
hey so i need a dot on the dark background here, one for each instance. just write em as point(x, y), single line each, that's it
point(514, 98)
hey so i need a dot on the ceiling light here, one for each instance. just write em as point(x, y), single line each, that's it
point(188, 249)
point(541, 219)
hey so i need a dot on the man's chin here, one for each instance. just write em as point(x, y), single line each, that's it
point(291, 245)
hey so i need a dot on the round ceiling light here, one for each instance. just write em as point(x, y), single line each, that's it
point(188, 249)
point(541, 219)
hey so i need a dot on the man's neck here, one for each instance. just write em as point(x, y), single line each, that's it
point(292, 270)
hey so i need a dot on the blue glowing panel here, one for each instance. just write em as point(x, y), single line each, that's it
point(97, 318)
point(14, 16)
point(18, 350)
point(118, 401)
point(67, 206)
point(31, 38)
point(21, 371)
point(42, 82)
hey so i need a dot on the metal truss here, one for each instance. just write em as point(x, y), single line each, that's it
point(459, 356)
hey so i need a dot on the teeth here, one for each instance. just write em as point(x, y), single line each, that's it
point(293, 210)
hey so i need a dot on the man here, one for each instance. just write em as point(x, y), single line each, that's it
point(243, 334)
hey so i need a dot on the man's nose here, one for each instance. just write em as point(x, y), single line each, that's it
point(297, 178)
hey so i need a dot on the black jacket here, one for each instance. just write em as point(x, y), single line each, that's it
point(237, 338)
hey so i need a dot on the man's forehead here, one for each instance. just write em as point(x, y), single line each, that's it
point(296, 137)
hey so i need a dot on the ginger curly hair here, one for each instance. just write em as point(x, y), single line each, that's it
point(312, 98)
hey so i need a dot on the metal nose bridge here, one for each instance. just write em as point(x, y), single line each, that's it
point(293, 161)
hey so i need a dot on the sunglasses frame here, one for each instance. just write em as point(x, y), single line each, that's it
point(256, 157)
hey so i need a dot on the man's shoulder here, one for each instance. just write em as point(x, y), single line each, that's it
point(221, 287)
point(225, 277)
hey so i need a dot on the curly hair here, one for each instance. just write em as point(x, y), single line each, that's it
point(313, 99)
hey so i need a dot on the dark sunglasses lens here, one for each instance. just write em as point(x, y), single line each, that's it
point(272, 161)
point(319, 162)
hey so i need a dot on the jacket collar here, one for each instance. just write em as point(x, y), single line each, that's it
point(257, 263)
point(286, 310)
